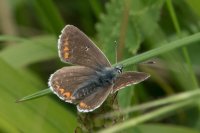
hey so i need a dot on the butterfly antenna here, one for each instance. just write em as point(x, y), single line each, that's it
point(116, 46)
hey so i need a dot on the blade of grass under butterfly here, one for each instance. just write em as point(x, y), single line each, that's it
point(35, 95)
point(149, 54)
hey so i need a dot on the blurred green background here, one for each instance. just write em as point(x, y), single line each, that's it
point(28, 55)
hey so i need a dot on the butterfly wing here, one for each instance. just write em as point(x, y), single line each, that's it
point(67, 79)
point(76, 48)
point(94, 100)
point(129, 78)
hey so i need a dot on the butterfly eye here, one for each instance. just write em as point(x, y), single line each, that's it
point(119, 68)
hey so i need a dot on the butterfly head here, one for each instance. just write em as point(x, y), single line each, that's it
point(118, 68)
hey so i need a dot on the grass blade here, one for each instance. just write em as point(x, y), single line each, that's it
point(35, 95)
point(154, 114)
point(164, 101)
point(162, 49)
point(38, 49)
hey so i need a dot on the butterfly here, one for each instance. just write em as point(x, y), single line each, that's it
point(88, 83)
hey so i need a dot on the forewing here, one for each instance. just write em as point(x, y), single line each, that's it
point(76, 48)
point(94, 100)
point(129, 78)
point(67, 79)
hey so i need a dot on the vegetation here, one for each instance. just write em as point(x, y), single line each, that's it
point(162, 31)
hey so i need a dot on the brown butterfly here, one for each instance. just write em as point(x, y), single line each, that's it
point(93, 78)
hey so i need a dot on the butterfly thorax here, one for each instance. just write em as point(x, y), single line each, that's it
point(103, 78)
point(107, 76)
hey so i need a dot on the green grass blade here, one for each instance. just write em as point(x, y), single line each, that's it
point(164, 128)
point(42, 114)
point(162, 49)
point(11, 38)
point(37, 49)
point(148, 116)
point(35, 95)
point(47, 11)
point(184, 49)
point(164, 101)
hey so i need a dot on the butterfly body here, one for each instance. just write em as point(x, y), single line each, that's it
point(107, 75)
point(92, 79)
point(100, 79)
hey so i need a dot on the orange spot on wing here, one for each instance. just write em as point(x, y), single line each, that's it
point(83, 105)
point(67, 94)
point(66, 48)
point(61, 90)
point(66, 55)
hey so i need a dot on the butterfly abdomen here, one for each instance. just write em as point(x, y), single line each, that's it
point(85, 90)
point(103, 79)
